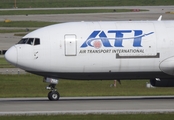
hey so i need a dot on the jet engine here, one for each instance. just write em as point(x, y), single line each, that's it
point(157, 82)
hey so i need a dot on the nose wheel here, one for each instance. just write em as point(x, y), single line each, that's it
point(53, 95)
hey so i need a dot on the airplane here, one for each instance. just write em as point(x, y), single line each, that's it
point(98, 50)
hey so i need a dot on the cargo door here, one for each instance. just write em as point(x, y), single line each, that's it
point(70, 45)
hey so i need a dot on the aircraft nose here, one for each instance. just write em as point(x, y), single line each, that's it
point(11, 55)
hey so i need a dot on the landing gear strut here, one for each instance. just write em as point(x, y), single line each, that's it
point(53, 95)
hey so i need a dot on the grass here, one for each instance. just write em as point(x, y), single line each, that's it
point(19, 85)
point(67, 11)
point(20, 34)
point(17, 32)
point(14, 30)
point(160, 116)
point(23, 27)
point(5, 64)
point(25, 24)
point(80, 3)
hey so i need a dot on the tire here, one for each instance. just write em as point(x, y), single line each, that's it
point(53, 95)
point(49, 95)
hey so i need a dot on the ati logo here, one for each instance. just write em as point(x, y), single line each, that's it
point(98, 38)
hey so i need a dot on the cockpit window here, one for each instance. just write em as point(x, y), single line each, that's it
point(23, 41)
point(37, 41)
point(30, 41)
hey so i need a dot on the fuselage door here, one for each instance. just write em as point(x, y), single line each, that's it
point(70, 45)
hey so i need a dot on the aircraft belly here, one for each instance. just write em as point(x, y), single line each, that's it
point(104, 75)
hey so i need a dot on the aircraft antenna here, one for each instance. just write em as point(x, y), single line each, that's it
point(160, 17)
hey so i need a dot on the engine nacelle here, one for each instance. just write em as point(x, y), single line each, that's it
point(156, 82)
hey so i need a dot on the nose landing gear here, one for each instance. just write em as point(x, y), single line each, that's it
point(53, 95)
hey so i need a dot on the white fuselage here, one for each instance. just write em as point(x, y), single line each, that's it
point(99, 50)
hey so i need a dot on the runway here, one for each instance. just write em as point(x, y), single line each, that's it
point(87, 105)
